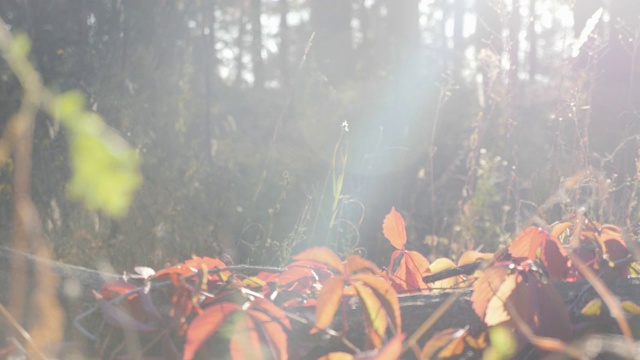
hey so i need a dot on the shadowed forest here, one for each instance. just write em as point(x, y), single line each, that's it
point(263, 128)
point(267, 127)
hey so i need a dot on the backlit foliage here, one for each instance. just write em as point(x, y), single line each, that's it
point(203, 306)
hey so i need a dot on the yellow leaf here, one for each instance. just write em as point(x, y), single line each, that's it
point(631, 307)
point(592, 308)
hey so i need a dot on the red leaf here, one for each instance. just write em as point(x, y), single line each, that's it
point(323, 256)
point(534, 243)
point(410, 271)
point(205, 325)
point(113, 288)
point(394, 230)
point(500, 291)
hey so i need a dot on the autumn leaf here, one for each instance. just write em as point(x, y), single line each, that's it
point(338, 355)
point(390, 351)
point(501, 288)
point(446, 343)
point(205, 325)
point(356, 263)
point(374, 314)
point(393, 229)
point(258, 329)
point(409, 271)
point(323, 256)
point(533, 244)
point(245, 342)
point(328, 302)
point(387, 296)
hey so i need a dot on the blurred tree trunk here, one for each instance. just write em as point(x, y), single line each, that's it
point(514, 44)
point(459, 46)
point(332, 46)
point(616, 92)
point(283, 52)
point(256, 43)
point(404, 27)
point(533, 42)
point(240, 46)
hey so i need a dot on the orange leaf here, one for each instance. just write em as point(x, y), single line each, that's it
point(205, 325)
point(328, 302)
point(394, 230)
point(271, 332)
point(387, 296)
point(245, 341)
point(391, 351)
point(375, 316)
point(559, 229)
point(534, 243)
point(411, 268)
point(447, 343)
point(323, 256)
point(272, 310)
point(113, 288)
point(356, 263)
point(486, 287)
point(337, 356)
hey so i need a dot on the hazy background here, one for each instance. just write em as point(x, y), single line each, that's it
point(269, 126)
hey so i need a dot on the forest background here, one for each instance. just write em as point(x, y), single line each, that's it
point(270, 126)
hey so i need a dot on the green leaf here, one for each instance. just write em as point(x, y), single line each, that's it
point(67, 106)
point(104, 167)
point(20, 46)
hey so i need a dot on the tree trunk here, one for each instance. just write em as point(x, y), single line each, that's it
point(256, 44)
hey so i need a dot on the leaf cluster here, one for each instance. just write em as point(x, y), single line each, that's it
point(204, 307)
